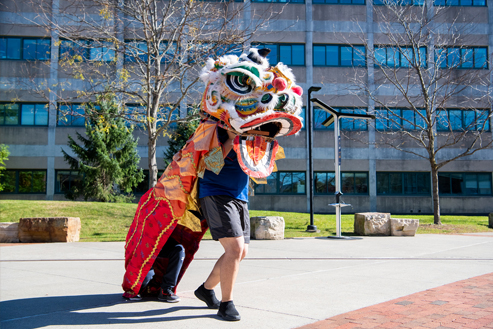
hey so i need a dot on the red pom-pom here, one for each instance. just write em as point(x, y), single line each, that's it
point(297, 90)
point(280, 84)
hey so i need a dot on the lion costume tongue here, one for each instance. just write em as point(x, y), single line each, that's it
point(256, 155)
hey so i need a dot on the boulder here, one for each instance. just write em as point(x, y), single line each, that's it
point(372, 223)
point(490, 220)
point(54, 229)
point(9, 232)
point(267, 228)
point(403, 226)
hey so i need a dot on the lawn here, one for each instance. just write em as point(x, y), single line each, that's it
point(110, 221)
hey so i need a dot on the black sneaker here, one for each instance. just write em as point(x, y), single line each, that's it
point(168, 296)
point(207, 296)
point(228, 312)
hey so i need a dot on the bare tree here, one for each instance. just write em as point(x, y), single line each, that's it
point(148, 52)
point(430, 91)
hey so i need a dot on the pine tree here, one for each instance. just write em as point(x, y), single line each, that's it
point(107, 157)
point(179, 138)
point(4, 155)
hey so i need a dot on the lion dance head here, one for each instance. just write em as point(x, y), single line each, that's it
point(254, 100)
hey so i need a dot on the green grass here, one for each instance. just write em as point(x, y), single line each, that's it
point(110, 221)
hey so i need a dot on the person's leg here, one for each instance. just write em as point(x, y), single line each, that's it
point(215, 275)
point(175, 262)
point(176, 255)
point(224, 222)
point(233, 252)
point(147, 279)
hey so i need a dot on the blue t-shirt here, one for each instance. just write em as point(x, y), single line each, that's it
point(231, 181)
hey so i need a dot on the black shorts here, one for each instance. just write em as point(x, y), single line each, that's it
point(227, 217)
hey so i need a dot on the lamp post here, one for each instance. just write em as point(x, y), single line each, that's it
point(334, 117)
point(311, 227)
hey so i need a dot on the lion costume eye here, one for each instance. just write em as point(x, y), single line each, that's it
point(283, 100)
point(239, 83)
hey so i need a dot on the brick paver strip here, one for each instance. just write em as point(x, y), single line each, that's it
point(463, 304)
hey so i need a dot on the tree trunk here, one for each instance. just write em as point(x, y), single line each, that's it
point(436, 198)
point(151, 154)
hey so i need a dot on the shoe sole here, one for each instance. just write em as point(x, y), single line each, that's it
point(133, 299)
point(211, 306)
point(169, 301)
point(229, 318)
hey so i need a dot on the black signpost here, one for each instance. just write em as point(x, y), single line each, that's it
point(309, 131)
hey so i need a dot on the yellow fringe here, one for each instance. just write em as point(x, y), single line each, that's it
point(152, 253)
point(148, 198)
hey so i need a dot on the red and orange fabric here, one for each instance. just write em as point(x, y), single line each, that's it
point(171, 209)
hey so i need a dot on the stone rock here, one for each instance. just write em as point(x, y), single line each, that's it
point(490, 220)
point(372, 223)
point(9, 232)
point(403, 226)
point(55, 229)
point(267, 228)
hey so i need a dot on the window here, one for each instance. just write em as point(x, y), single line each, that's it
point(388, 56)
point(399, 2)
point(281, 1)
point(200, 52)
point(137, 51)
point(397, 119)
point(460, 120)
point(319, 116)
point(24, 114)
point(341, 2)
point(463, 58)
point(353, 124)
point(289, 54)
point(353, 183)
point(339, 55)
point(71, 115)
point(403, 183)
point(87, 50)
point(163, 116)
point(324, 182)
point(134, 114)
point(283, 182)
point(232, 49)
point(303, 115)
point(478, 3)
point(25, 48)
point(24, 181)
point(9, 114)
point(464, 183)
point(222, 0)
point(67, 180)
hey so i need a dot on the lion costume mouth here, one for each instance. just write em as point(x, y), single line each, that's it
point(277, 124)
point(256, 155)
point(257, 149)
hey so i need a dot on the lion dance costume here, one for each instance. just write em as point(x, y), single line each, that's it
point(244, 95)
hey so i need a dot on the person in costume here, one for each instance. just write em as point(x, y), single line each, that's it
point(252, 104)
point(223, 199)
point(163, 282)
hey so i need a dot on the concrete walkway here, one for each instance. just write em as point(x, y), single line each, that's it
point(282, 284)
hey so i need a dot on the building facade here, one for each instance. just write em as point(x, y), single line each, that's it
point(312, 38)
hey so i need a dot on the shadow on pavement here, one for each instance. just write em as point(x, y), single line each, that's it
point(74, 310)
